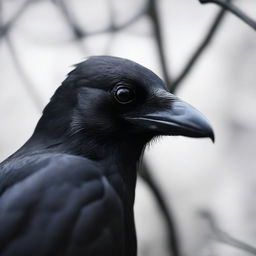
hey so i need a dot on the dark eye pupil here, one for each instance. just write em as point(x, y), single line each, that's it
point(124, 95)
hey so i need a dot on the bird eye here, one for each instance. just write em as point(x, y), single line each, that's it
point(124, 95)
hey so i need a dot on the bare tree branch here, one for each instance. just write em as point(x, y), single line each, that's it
point(112, 25)
point(153, 14)
point(119, 27)
point(5, 28)
point(200, 49)
point(80, 33)
point(29, 87)
point(224, 237)
point(76, 30)
point(173, 240)
point(234, 9)
point(145, 174)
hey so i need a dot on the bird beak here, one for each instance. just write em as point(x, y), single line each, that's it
point(180, 118)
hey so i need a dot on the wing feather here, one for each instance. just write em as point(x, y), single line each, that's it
point(66, 207)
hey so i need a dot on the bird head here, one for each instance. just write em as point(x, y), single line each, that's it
point(110, 97)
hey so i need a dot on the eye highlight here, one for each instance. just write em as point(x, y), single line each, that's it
point(124, 94)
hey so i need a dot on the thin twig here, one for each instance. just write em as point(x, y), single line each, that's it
point(80, 33)
point(4, 29)
point(200, 49)
point(234, 9)
point(173, 240)
point(224, 237)
point(126, 24)
point(153, 14)
point(112, 25)
point(26, 81)
point(76, 30)
point(70, 19)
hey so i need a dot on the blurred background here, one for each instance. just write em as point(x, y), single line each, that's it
point(209, 189)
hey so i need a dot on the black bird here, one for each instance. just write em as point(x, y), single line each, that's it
point(69, 191)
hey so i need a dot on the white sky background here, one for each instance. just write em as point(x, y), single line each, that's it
point(194, 174)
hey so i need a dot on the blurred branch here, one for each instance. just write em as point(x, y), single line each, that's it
point(173, 240)
point(153, 14)
point(145, 174)
point(116, 28)
point(224, 237)
point(112, 25)
point(234, 9)
point(79, 33)
point(4, 29)
point(26, 81)
point(76, 30)
point(200, 49)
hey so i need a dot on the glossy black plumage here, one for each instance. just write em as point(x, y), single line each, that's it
point(69, 190)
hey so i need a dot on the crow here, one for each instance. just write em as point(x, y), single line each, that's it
point(69, 190)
